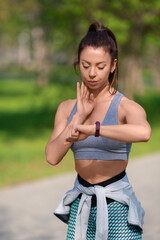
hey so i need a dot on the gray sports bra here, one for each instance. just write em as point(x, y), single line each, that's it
point(101, 147)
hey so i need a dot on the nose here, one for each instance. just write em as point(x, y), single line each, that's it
point(92, 73)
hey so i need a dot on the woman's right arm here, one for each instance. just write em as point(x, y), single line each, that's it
point(57, 145)
point(56, 148)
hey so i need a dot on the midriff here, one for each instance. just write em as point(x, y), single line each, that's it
point(95, 171)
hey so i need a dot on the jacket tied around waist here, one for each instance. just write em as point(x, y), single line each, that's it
point(120, 191)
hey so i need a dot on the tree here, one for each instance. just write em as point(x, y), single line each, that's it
point(57, 26)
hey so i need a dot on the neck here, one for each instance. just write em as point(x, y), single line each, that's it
point(102, 94)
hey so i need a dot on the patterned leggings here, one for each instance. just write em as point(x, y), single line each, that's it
point(119, 228)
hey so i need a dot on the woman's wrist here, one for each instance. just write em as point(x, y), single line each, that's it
point(78, 118)
point(92, 129)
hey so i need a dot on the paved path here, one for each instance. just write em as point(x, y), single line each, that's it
point(26, 210)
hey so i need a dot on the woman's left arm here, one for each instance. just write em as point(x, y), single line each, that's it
point(135, 129)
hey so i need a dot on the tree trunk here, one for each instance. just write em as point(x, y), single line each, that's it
point(156, 76)
point(41, 56)
point(132, 76)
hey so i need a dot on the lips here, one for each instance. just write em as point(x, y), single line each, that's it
point(92, 82)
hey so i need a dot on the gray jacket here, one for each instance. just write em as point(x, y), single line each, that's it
point(120, 191)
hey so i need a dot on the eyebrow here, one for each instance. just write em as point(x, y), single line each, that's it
point(96, 63)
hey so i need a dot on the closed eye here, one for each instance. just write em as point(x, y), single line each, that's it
point(85, 66)
point(100, 68)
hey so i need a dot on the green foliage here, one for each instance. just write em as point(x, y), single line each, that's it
point(65, 22)
point(26, 109)
point(27, 120)
point(143, 148)
point(64, 74)
point(23, 159)
point(150, 102)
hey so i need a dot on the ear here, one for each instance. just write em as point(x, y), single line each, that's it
point(113, 66)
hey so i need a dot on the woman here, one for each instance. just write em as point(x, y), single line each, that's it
point(99, 126)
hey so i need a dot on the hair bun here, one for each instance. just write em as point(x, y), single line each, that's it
point(96, 27)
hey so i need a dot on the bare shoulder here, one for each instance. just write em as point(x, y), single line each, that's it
point(129, 105)
point(65, 107)
point(131, 111)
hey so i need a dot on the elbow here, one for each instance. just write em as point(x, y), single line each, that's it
point(147, 135)
point(50, 159)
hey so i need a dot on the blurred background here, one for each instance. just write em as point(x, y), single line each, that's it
point(38, 45)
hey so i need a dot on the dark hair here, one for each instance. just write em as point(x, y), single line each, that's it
point(100, 36)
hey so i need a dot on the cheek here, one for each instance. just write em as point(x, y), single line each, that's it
point(104, 74)
point(83, 72)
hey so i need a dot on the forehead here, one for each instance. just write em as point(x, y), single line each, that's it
point(94, 55)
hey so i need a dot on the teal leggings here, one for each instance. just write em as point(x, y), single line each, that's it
point(119, 228)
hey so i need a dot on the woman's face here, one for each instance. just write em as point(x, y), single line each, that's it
point(95, 67)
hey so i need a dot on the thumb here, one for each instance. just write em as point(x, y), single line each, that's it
point(66, 143)
point(76, 130)
point(91, 97)
point(76, 133)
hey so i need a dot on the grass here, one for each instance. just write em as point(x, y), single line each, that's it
point(143, 148)
point(27, 119)
point(26, 122)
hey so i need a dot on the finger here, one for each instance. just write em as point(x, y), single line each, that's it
point(74, 133)
point(87, 93)
point(66, 143)
point(78, 91)
point(85, 90)
point(82, 88)
point(71, 139)
point(91, 97)
point(76, 128)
